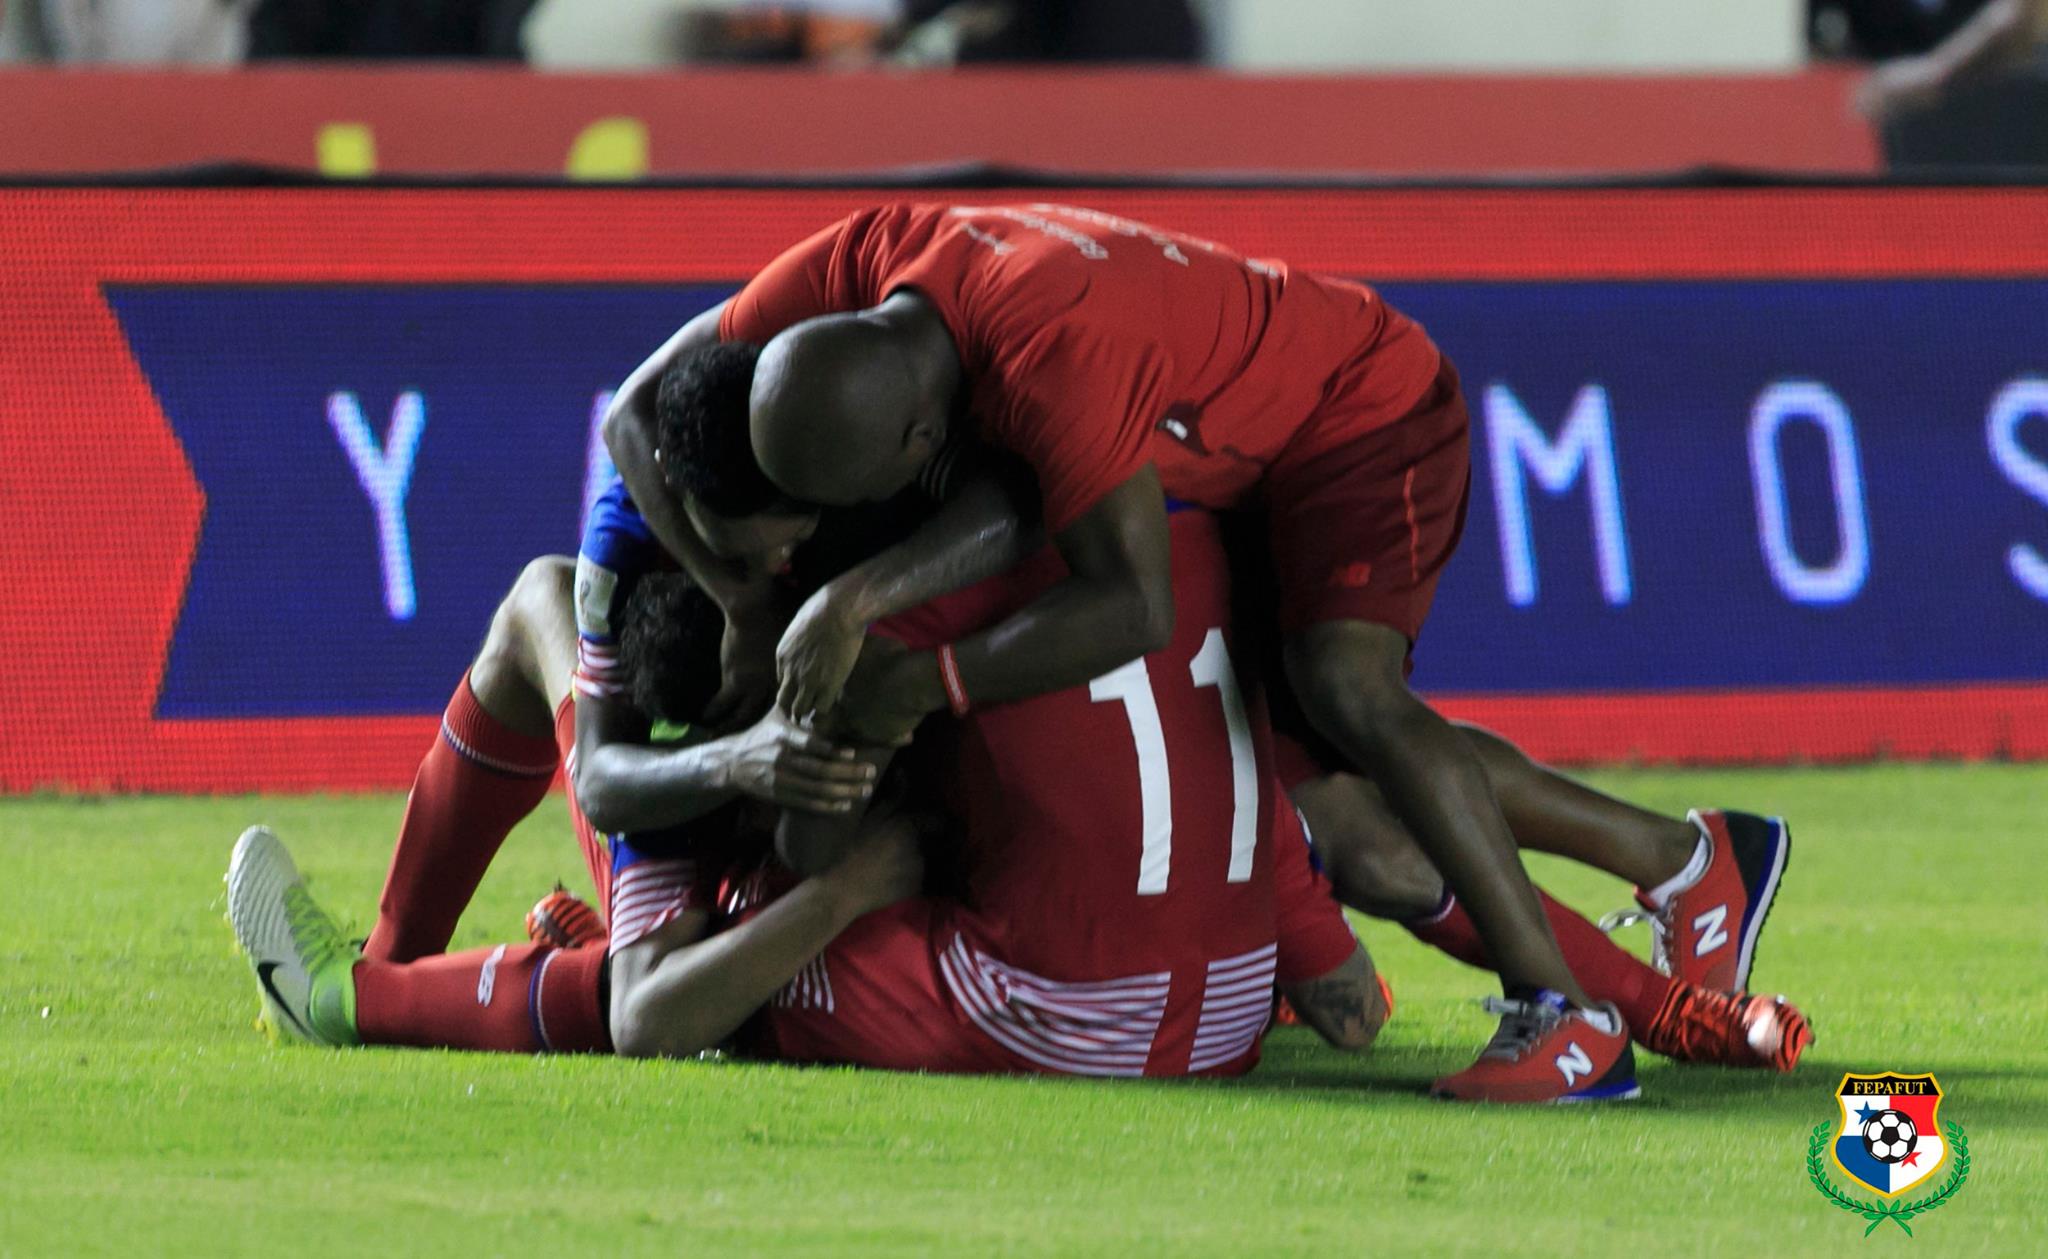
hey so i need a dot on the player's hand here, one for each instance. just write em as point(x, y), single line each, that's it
point(816, 655)
point(890, 690)
point(790, 767)
point(883, 866)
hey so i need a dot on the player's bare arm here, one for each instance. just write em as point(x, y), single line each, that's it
point(1115, 605)
point(625, 783)
point(985, 527)
point(1345, 1006)
point(675, 993)
point(630, 436)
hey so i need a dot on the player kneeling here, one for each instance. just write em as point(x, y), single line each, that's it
point(488, 767)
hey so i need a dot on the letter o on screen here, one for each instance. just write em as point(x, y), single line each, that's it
point(1842, 578)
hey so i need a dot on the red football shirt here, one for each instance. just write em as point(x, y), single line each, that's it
point(1094, 345)
point(1128, 829)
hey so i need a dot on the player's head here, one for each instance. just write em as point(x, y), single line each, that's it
point(707, 459)
point(846, 410)
point(669, 639)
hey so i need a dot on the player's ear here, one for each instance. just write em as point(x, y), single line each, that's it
point(923, 436)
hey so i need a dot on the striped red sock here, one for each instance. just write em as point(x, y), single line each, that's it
point(476, 782)
point(517, 998)
point(1603, 968)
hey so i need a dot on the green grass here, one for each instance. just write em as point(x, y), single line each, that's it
point(139, 1114)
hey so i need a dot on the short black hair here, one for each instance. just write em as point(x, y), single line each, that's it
point(701, 419)
point(669, 641)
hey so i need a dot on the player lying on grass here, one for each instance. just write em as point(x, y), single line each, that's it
point(1039, 972)
point(1126, 365)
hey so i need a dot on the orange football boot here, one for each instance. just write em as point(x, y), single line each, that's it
point(564, 921)
point(1727, 1029)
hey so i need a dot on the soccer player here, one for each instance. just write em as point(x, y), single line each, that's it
point(1127, 364)
point(489, 767)
point(511, 723)
point(1136, 881)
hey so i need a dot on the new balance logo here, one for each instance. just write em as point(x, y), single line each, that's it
point(1574, 1063)
point(489, 979)
point(1709, 925)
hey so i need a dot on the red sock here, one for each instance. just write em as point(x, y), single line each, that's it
point(519, 998)
point(1607, 971)
point(473, 786)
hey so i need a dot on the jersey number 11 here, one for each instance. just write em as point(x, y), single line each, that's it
point(1131, 685)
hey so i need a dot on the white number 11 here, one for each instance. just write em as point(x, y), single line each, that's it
point(1131, 685)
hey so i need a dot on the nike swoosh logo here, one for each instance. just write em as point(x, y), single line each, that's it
point(263, 971)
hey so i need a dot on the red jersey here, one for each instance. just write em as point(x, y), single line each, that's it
point(1094, 345)
point(1129, 847)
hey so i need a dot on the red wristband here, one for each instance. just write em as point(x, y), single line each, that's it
point(949, 673)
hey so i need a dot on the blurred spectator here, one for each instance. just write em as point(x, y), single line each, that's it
point(854, 32)
point(1876, 30)
point(2000, 37)
point(1060, 30)
point(1975, 96)
point(387, 28)
point(844, 31)
point(190, 32)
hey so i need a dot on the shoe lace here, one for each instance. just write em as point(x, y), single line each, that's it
point(1660, 932)
point(1522, 1024)
point(319, 941)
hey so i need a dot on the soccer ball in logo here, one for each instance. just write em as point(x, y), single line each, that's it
point(1889, 1137)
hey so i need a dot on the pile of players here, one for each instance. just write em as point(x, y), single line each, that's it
point(993, 659)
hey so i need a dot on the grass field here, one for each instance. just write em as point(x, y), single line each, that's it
point(139, 1114)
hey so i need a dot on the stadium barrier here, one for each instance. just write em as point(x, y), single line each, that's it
point(1759, 474)
point(444, 120)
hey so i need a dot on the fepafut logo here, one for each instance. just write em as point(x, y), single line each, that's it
point(1888, 1140)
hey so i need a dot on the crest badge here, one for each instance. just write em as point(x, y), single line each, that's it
point(1888, 1140)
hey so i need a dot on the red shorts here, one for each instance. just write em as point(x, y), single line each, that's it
point(1362, 521)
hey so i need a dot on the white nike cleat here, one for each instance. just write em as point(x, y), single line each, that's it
point(304, 966)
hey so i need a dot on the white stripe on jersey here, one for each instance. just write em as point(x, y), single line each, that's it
point(597, 670)
point(648, 894)
point(1237, 999)
point(1101, 1028)
point(810, 990)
